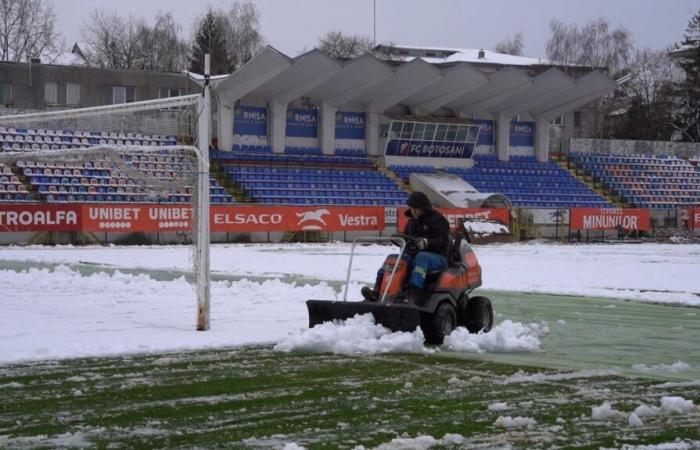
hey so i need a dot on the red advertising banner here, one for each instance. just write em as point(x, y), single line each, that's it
point(126, 217)
point(297, 218)
point(40, 217)
point(453, 214)
point(695, 218)
point(132, 217)
point(609, 219)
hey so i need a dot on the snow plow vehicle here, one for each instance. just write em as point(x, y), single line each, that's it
point(442, 306)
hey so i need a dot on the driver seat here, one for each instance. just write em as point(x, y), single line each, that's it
point(432, 276)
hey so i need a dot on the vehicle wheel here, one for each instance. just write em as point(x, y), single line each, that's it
point(479, 315)
point(439, 324)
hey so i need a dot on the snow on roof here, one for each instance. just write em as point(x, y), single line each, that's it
point(451, 54)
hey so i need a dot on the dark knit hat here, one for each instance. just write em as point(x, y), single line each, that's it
point(419, 200)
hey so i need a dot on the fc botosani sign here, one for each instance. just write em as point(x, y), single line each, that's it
point(428, 149)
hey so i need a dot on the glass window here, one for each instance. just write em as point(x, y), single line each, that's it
point(473, 133)
point(429, 132)
point(462, 133)
point(418, 131)
point(5, 93)
point(130, 94)
point(50, 93)
point(118, 95)
point(440, 132)
point(72, 94)
point(165, 92)
point(395, 130)
point(407, 130)
point(451, 134)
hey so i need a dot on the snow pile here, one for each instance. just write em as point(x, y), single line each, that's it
point(635, 421)
point(646, 411)
point(293, 446)
point(678, 444)
point(359, 334)
point(676, 367)
point(606, 412)
point(498, 406)
point(676, 405)
point(515, 422)
point(508, 336)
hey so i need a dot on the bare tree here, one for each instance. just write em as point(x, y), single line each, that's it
point(338, 45)
point(162, 47)
point(28, 30)
point(511, 46)
point(117, 42)
point(595, 44)
point(231, 37)
point(242, 35)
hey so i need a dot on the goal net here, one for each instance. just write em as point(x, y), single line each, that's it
point(142, 153)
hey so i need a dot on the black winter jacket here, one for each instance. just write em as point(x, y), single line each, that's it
point(433, 226)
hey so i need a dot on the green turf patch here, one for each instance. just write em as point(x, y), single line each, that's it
point(255, 397)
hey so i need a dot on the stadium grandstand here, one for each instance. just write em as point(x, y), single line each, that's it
point(313, 130)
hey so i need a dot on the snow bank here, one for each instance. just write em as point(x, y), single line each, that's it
point(515, 422)
point(508, 336)
point(635, 421)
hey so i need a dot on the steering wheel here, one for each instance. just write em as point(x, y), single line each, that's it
point(410, 240)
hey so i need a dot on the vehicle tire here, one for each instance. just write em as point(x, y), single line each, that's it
point(439, 324)
point(479, 315)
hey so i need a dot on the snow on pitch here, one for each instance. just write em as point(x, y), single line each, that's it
point(60, 313)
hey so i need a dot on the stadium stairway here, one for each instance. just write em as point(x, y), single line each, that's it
point(230, 185)
point(570, 166)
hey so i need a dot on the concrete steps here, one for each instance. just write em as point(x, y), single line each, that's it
point(589, 181)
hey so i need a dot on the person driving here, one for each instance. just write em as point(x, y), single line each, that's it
point(429, 252)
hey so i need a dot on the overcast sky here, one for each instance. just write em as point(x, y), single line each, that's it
point(292, 26)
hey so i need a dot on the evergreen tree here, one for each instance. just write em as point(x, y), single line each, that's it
point(687, 117)
point(210, 37)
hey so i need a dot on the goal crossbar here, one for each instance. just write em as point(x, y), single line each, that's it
point(123, 108)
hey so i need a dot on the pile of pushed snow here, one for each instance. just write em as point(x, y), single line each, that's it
point(676, 405)
point(677, 367)
point(508, 336)
point(515, 422)
point(498, 406)
point(359, 334)
point(606, 412)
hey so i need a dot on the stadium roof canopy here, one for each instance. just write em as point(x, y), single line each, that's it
point(421, 84)
point(450, 83)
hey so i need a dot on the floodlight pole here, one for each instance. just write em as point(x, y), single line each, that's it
point(203, 231)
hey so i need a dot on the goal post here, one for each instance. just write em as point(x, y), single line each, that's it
point(133, 142)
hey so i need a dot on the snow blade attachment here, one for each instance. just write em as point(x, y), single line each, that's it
point(393, 317)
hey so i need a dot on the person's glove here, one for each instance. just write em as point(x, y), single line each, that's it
point(422, 244)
